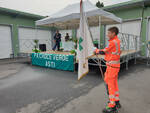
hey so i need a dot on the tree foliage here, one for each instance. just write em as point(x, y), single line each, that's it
point(99, 4)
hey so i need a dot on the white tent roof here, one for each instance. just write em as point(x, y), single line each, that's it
point(69, 17)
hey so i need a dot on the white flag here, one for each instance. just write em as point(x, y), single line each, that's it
point(85, 44)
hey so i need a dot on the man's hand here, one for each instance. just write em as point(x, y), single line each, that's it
point(98, 51)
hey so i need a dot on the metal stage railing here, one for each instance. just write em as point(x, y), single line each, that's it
point(130, 47)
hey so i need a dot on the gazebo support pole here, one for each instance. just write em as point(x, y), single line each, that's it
point(99, 32)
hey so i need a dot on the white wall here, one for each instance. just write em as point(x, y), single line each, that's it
point(148, 36)
point(28, 35)
point(5, 42)
point(149, 29)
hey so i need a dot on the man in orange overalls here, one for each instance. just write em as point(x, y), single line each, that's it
point(112, 58)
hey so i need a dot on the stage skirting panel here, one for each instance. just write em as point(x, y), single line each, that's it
point(55, 61)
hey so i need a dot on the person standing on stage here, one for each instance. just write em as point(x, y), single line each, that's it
point(67, 37)
point(57, 40)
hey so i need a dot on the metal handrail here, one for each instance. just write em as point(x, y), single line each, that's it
point(128, 42)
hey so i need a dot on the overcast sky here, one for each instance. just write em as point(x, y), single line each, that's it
point(45, 7)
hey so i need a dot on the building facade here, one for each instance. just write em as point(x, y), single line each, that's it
point(17, 32)
point(136, 21)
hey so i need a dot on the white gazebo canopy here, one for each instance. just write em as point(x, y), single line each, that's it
point(69, 17)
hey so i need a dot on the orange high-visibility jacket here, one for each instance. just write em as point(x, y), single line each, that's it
point(112, 52)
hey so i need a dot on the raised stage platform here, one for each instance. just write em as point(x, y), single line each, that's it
point(130, 46)
point(126, 55)
point(66, 61)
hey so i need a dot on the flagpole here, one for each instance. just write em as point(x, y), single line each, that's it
point(99, 60)
point(99, 30)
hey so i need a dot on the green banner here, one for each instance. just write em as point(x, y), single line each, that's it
point(55, 61)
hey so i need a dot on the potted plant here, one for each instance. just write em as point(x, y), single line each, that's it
point(36, 46)
point(61, 49)
point(73, 52)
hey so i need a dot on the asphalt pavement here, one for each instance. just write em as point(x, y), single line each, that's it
point(22, 84)
point(30, 89)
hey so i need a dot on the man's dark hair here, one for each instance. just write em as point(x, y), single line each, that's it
point(114, 30)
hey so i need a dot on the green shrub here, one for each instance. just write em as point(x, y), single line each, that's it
point(73, 52)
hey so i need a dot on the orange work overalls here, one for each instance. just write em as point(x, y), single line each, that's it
point(112, 57)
